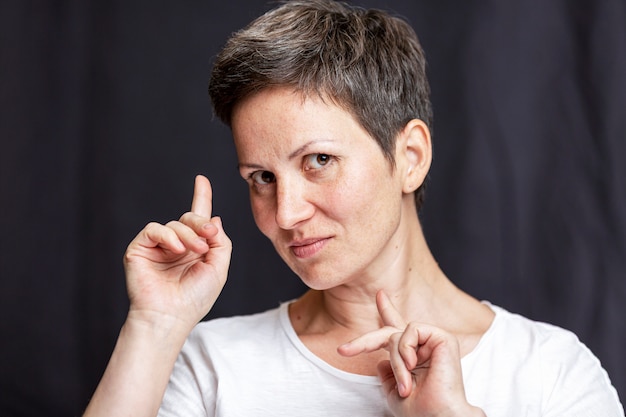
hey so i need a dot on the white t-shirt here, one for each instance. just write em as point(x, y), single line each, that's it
point(252, 366)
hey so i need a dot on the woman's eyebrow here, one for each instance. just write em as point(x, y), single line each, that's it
point(304, 147)
point(248, 166)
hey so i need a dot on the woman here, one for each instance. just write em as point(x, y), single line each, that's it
point(330, 114)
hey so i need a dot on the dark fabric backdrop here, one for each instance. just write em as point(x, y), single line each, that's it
point(105, 120)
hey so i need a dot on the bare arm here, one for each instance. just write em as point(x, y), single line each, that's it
point(174, 274)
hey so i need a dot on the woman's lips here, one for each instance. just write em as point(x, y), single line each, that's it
point(308, 248)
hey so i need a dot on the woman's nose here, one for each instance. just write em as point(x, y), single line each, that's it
point(292, 204)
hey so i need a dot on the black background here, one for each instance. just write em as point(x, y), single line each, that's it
point(105, 120)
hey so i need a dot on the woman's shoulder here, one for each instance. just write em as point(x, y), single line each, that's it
point(522, 337)
point(261, 327)
point(244, 320)
point(541, 361)
point(511, 326)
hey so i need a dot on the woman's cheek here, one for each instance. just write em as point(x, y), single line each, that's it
point(263, 214)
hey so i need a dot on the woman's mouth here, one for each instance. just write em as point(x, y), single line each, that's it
point(307, 248)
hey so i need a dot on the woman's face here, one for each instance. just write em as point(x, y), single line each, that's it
point(320, 188)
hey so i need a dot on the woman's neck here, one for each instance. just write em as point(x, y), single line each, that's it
point(409, 275)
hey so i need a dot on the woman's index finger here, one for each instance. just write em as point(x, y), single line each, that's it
point(202, 203)
point(388, 312)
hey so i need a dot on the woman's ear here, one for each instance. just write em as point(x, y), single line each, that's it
point(415, 154)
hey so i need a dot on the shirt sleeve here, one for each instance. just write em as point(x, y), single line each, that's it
point(189, 389)
point(576, 385)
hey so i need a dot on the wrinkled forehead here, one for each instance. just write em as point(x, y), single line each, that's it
point(279, 120)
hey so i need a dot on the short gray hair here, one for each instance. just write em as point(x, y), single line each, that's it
point(365, 60)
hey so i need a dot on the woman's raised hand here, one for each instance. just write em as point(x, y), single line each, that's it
point(423, 374)
point(178, 270)
point(174, 274)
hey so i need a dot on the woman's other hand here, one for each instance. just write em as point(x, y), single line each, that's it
point(423, 374)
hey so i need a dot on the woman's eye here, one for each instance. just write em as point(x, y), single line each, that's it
point(317, 160)
point(263, 177)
